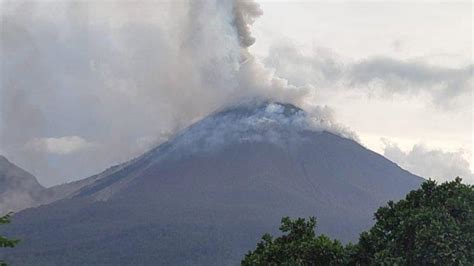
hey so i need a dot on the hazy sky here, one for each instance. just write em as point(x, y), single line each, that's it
point(88, 84)
point(428, 42)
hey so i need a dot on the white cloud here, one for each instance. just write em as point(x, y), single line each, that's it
point(430, 163)
point(442, 84)
point(62, 146)
point(381, 76)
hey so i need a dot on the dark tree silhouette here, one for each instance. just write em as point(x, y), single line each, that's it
point(433, 225)
point(5, 242)
point(299, 245)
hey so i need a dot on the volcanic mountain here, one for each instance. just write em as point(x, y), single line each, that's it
point(18, 188)
point(206, 196)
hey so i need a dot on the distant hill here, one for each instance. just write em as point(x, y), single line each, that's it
point(206, 196)
point(18, 188)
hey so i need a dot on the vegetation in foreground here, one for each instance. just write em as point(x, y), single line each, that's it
point(5, 242)
point(433, 225)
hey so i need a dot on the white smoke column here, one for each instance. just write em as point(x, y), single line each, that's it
point(121, 75)
point(253, 75)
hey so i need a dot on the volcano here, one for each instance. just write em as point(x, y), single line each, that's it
point(206, 196)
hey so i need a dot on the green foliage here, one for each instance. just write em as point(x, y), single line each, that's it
point(433, 225)
point(299, 245)
point(5, 242)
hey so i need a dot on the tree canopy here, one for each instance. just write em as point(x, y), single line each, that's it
point(5, 242)
point(298, 246)
point(433, 225)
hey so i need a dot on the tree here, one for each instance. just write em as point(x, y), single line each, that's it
point(299, 245)
point(5, 242)
point(433, 225)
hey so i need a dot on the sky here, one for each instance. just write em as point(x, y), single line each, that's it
point(431, 41)
point(89, 84)
point(428, 37)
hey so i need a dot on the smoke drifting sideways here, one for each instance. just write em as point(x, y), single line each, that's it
point(118, 77)
point(430, 163)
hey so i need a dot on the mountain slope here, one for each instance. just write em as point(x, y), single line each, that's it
point(206, 196)
point(18, 188)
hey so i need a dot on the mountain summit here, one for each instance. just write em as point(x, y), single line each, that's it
point(208, 194)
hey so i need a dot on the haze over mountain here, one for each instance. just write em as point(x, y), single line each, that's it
point(208, 194)
point(18, 188)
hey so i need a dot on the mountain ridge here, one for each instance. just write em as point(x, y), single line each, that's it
point(18, 188)
point(205, 196)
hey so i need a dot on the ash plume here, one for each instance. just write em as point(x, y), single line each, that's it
point(121, 77)
point(245, 14)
